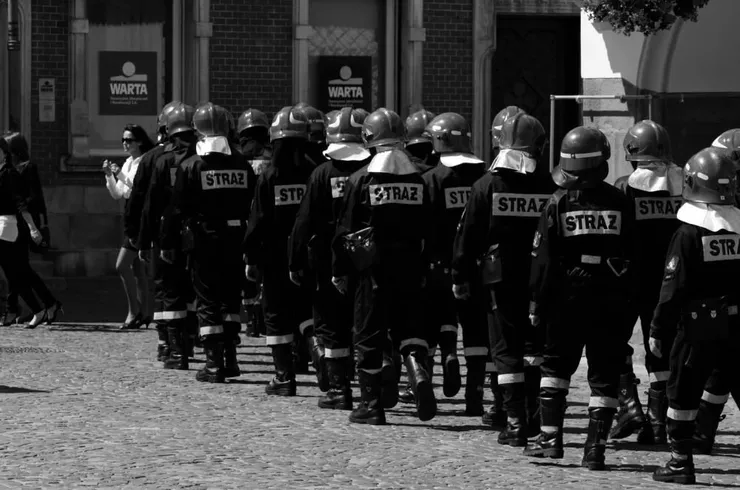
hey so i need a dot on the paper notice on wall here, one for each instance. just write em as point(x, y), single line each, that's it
point(47, 99)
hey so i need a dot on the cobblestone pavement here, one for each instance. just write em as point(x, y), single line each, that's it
point(84, 406)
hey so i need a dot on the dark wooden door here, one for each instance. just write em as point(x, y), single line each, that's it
point(536, 57)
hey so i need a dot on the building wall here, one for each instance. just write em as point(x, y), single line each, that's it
point(251, 50)
point(448, 56)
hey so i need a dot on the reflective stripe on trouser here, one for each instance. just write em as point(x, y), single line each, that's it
point(279, 339)
point(170, 315)
point(555, 383)
point(682, 415)
point(715, 399)
point(305, 325)
point(207, 330)
point(337, 353)
point(512, 378)
point(658, 377)
point(603, 402)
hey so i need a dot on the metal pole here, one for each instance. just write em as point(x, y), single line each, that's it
point(552, 132)
point(650, 107)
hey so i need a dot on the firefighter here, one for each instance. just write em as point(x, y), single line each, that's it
point(253, 129)
point(654, 191)
point(699, 300)
point(716, 392)
point(135, 206)
point(316, 134)
point(449, 186)
point(580, 283)
point(498, 123)
point(209, 213)
point(311, 249)
point(418, 142)
point(380, 242)
point(280, 189)
point(496, 230)
point(173, 288)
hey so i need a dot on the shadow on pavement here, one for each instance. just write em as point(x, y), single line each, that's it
point(623, 445)
point(18, 389)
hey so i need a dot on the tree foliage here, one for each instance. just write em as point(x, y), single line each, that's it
point(644, 16)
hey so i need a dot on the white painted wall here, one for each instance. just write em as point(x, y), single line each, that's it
point(707, 53)
point(605, 54)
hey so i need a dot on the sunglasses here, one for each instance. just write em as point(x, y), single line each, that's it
point(127, 140)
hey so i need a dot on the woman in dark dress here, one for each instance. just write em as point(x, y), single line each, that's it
point(14, 252)
point(36, 207)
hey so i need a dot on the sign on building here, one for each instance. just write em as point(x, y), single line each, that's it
point(47, 99)
point(345, 81)
point(128, 83)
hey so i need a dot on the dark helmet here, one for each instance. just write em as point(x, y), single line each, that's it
point(498, 123)
point(647, 141)
point(450, 133)
point(416, 125)
point(162, 118)
point(345, 125)
point(730, 141)
point(252, 118)
point(709, 177)
point(213, 120)
point(382, 128)
point(289, 122)
point(583, 153)
point(316, 122)
point(179, 119)
point(523, 132)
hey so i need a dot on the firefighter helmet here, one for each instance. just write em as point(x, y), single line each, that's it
point(382, 128)
point(583, 158)
point(162, 118)
point(710, 178)
point(252, 118)
point(316, 122)
point(179, 119)
point(498, 123)
point(647, 141)
point(212, 120)
point(450, 133)
point(345, 125)
point(523, 132)
point(416, 125)
point(730, 141)
point(289, 122)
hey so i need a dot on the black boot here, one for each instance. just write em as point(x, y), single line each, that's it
point(339, 395)
point(707, 422)
point(318, 359)
point(451, 381)
point(599, 423)
point(496, 415)
point(177, 358)
point(231, 363)
point(213, 371)
point(163, 346)
point(283, 384)
point(370, 410)
point(421, 384)
point(656, 415)
point(680, 469)
point(515, 433)
point(163, 352)
point(532, 377)
point(389, 383)
point(475, 378)
point(406, 395)
point(630, 417)
point(549, 445)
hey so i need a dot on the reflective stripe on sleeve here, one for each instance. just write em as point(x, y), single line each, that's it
point(509, 379)
point(682, 415)
point(532, 361)
point(556, 383)
point(211, 330)
point(448, 328)
point(475, 351)
point(232, 317)
point(603, 402)
point(278, 339)
point(715, 399)
point(233, 222)
point(169, 315)
point(659, 376)
point(336, 353)
point(414, 341)
point(304, 325)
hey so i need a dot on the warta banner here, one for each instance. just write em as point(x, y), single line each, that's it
point(345, 81)
point(128, 83)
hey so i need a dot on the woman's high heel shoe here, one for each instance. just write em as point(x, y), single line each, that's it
point(9, 318)
point(53, 311)
point(44, 317)
point(133, 324)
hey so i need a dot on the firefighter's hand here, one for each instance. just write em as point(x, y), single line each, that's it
point(252, 273)
point(534, 320)
point(145, 255)
point(461, 291)
point(656, 347)
point(167, 256)
point(340, 283)
point(296, 277)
